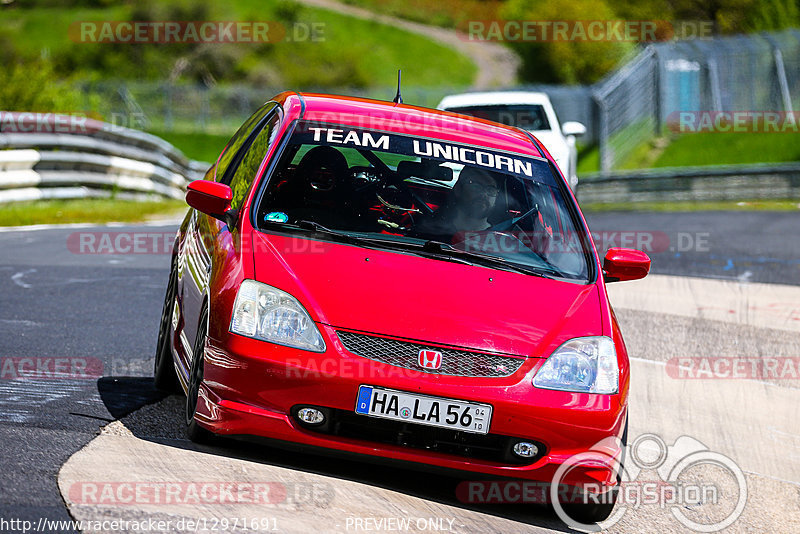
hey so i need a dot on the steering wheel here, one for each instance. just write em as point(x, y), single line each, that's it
point(365, 179)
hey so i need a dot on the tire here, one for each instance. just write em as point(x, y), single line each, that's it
point(595, 512)
point(164, 377)
point(588, 513)
point(194, 431)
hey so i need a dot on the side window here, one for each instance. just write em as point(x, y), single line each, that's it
point(254, 154)
point(240, 138)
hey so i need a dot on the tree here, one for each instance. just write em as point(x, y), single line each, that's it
point(577, 59)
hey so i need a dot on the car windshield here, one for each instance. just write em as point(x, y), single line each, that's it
point(435, 198)
point(525, 116)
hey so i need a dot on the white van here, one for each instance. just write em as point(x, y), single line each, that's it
point(527, 110)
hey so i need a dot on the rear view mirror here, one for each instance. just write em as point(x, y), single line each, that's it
point(424, 169)
point(625, 264)
point(211, 198)
point(573, 128)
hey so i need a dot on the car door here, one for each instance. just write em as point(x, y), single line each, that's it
point(207, 238)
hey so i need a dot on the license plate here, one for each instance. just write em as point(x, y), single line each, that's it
point(424, 410)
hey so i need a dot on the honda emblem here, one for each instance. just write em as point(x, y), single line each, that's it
point(429, 359)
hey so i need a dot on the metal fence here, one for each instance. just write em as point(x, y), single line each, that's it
point(692, 184)
point(741, 73)
point(43, 160)
point(220, 109)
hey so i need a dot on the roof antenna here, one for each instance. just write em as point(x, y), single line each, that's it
point(397, 98)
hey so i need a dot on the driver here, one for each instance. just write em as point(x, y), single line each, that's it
point(325, 193)
point(468, 206)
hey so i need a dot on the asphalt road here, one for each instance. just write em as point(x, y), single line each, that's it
point(100, 313)
point(748, 246)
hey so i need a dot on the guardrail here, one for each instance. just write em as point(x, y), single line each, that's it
point(45, 156)
point(707, 183)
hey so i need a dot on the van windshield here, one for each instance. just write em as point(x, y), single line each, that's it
point(436, 198)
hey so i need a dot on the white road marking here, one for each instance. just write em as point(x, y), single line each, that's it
point(724, 414)
point(21, 400)
point(19, 322)
point(17, 278)
point(34, 227)
point(756, 304)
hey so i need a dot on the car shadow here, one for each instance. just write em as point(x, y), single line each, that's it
point(124, 395)
point(153, 416)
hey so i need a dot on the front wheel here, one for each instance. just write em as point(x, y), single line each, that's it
point(591, 509)
point(164, 377)
point(194, 431)
point(592, 512)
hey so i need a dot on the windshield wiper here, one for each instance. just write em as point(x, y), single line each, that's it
point(376, 243)
point(488, 260)
point(342, 236)
point(429, 249)
point(317, 228)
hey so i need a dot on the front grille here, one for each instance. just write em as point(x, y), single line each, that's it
point(492, 447)
point(405, 354)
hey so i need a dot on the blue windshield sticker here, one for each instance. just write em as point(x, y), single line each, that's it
point(276, 216)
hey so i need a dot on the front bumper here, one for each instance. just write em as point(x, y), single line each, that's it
point(251, 387)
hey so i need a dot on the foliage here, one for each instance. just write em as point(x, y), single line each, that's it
point(564, 61)
point(344, 52)
point(31, 87)
point(586, 62)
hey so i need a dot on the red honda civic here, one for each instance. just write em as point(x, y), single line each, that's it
point(398, 283)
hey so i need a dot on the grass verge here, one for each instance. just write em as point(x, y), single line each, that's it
point(86, 211)
point(445, 13)
point(198, 146)
point(727, 148)
point(698, 149)
point(726, 205)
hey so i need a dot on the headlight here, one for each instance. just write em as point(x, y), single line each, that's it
point(585, 364)
point(269, 314)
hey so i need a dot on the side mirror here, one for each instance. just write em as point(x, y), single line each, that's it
point(625, 264)
point(211, 198)
point(573, 128)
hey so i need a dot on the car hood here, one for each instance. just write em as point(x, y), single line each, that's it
point(408, 296)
